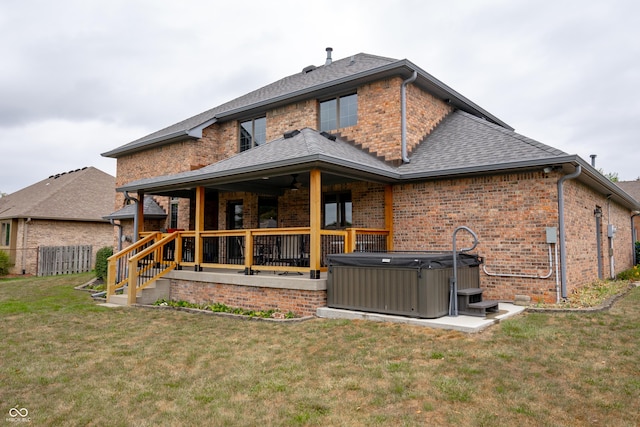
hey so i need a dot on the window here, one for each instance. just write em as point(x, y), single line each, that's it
point(252, 133)
point(339, 112)
point(235, 215)
point(268, 212)
point(337, 210)
point(173, 213)
point(5, 234)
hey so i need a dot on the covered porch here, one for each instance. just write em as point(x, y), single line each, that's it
point(323, 203)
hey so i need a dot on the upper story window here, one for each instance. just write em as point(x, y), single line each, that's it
point(5, 233)
point(252, 133)
point(340, 112)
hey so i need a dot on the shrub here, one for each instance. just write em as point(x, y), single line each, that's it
point(102, 265)
point(5, 263)
point(630, 274)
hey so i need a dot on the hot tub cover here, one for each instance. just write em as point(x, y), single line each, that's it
point(417, 260)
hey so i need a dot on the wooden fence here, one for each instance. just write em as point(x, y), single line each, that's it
point(54, 260)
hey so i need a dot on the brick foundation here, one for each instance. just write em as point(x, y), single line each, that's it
point(300, 302)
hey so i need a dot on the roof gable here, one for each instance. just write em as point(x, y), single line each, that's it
point(151, 210)
point(83, 195)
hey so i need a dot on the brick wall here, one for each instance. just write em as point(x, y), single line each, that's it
point(300, 115)
point(300, 302)
point(57, 233)
point(510, 214)
point(580, 224)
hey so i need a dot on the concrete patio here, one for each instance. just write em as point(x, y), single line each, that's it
point(460, 323)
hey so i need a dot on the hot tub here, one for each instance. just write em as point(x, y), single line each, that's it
point(407, 284)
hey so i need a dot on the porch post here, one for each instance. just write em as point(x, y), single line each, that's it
point(199, 226)
point(388, 215)
point(315, 197)
point(139, 220)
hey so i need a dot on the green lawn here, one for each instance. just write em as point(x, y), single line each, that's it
point(70, 362)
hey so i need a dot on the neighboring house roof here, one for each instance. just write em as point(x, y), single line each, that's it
point(151, 210)
point(80, 195)
point(631, 187)
point(339, 75)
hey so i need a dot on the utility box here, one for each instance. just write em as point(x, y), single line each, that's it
point(407, 284)
point(552, 235)
point(611, 230)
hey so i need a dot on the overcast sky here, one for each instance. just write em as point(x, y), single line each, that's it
point(78, 78)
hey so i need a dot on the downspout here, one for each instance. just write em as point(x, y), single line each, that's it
point(403, 113)
point(135, 215)
point(113, 222)
point(24, 245)
point(598, 215)
point(563, 246)
point(634, 238)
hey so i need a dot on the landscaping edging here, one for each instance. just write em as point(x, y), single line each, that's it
point(606, 305)
point(222, 314)
point(84, 285)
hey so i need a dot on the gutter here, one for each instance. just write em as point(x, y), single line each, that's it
point(563, 249)
point(191, 133)
point(403, 103)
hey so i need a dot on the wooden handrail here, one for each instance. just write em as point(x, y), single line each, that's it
point(156, 249)
point(153, 244)
point(112, 285)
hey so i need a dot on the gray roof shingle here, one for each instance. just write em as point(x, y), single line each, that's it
point(463, 142)
point(151, 210)
point(82, 195)
point(351, 70)
point(306, 146)
point(283, 88)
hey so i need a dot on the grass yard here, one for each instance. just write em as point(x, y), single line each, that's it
point(70, 362)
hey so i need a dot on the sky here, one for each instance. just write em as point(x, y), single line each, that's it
point(81, 77)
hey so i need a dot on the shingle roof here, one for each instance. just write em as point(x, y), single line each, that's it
point(304, 147)
point(351, 70)
point(459, 142)
point(631, 187)
point(151, 210)
point(82, 195)
point(465, 142)
point(286, 87)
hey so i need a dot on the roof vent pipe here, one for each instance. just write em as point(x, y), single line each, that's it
point(328, 61)
point(563, 249)
point(403, 102)
point(593, 160)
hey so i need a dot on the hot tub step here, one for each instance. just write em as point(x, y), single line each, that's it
point(480, 308)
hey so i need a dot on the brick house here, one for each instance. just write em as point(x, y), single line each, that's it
point(364, 154)
point(633, 188)
point(64, 210)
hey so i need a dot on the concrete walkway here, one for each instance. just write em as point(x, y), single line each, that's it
point(460, 323)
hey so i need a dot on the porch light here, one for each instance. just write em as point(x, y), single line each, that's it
point(295, 185)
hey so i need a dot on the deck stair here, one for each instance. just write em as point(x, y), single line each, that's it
point(152, 293)
point(470, 303)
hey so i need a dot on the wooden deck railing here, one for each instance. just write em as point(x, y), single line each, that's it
point(270, 249)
